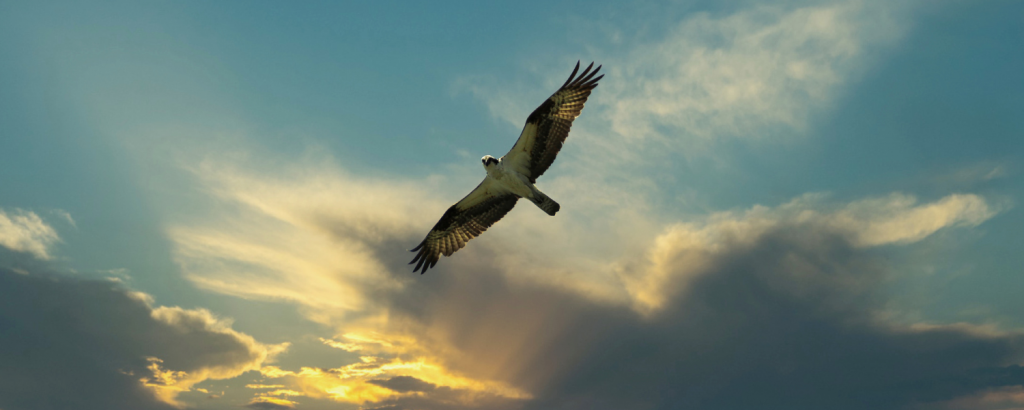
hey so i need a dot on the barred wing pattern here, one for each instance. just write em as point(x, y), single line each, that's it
point(548, 126)
point(542, 137)
point(463, 221)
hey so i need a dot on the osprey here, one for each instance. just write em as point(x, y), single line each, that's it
point(512, 176)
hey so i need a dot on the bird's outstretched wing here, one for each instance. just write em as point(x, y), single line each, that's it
point(463, 221)
point(548, 126)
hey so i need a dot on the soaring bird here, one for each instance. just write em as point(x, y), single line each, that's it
point(512, 176)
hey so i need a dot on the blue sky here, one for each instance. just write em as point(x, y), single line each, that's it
point(797, 204)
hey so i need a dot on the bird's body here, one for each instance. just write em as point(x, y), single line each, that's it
point(508, 180)
point(512, 176)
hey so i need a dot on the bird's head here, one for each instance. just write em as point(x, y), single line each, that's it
point(488, 161)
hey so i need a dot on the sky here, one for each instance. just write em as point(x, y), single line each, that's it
point(764, 205)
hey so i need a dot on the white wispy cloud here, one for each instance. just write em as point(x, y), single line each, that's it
point(25, 231)
point(306, 234)
point(745, 74)
point(758, 72)
point(898, 218)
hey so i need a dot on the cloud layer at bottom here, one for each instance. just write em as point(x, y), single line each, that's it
point(791, 319)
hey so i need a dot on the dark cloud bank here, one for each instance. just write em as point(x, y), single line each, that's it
point(67, 343)
point(786, 322)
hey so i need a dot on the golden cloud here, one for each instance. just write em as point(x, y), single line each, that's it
point(316, 236)
point(167, 384)
point(354, 383)
point(276, 401)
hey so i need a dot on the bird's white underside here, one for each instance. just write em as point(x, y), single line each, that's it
point(500, 181)
point(510, 175)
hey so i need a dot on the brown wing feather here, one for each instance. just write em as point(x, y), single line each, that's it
point(554, 118)
point(457, 227)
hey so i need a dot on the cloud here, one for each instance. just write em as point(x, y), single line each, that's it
point(711, 311)
point(744, 74)
point(71, 343)
point(750, 73)
point(168, 383)
point(973, 174)
point(65, 216)
point(397, 378)
point(264, 386)
point(270, 403)
point(405, 384)
point(895, 219)
point(305, 236)
point(298, 236)
point(24, 231)
point(1000, 398)
point(685, 250)
point(786, 317)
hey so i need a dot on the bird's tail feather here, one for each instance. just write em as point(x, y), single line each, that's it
point(545, 202)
